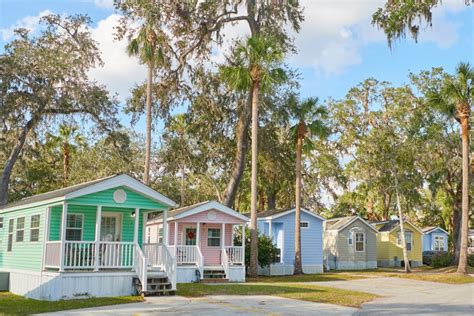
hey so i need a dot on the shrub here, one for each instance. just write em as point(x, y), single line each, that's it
point(470, 260)
point(441, 260)
point(266, 250)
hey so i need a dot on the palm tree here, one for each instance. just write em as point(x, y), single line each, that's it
point(68, 138)
point(454, 98)
point(144, 45)
point(256, 67)
point(310, 122)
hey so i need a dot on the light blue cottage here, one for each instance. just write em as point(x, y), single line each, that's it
point(280, 225)
point(435, 239)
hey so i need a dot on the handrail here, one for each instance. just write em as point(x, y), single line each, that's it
point(225, 262)
point(200, 261)
point(235, 254)
point(169, 266)
point(141, 266)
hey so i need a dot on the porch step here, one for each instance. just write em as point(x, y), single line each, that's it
point(213, 273)
point(156, 285)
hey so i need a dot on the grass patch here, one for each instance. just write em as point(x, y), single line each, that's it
point(322, 277)
point(11, 304)
point(299, 291)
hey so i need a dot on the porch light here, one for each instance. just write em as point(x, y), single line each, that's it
point(133, 214)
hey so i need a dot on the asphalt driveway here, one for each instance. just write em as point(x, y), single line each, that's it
point(408, 297)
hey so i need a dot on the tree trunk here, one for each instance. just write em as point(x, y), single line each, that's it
point(238, 165)
point(261, 201)
point(14, 154)
point(457, 216)
point(149, 83)
point(271, 200)
point(182, 186)
point(462, 267)
point(298, 266)
point(253, 184)
point(65, 162)
point(402, 229)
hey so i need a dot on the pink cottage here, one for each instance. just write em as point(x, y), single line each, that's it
point(201, 238)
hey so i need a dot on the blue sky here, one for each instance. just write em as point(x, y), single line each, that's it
point(338, 47)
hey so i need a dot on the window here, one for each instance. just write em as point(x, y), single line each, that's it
point(10, 235)
point(439, 243)
point(148, 235)
point(214, 237)
point(20, 229)
point(359, 241)
point(190, 236)
point(160, 235)
point(1, 222)
point(304, 224)
point(34, 228)
point(350, 238)
point(408, 240)
point(74, 227)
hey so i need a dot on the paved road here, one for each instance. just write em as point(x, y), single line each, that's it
point(408, 297)
point(216, 306)
point(400, 297)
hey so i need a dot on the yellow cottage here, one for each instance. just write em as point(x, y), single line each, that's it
point(389, 249)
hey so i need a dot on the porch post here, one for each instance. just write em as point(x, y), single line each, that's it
point(63, 238)
point(198, 234)
point(243, 237)
point(175, 235)
point(145, 221)
point(46, 236)
point(98, 221)
point(223, 236)
point(270, 229)
point(135, 231)
point(165, 228)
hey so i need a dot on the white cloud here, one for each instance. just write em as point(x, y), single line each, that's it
point(104, 4)
point(28, 22)
point(120, 72)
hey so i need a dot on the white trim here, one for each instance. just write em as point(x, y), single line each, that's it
point(118, 224)
point(355, 240)
point(291, 211)
point(433, 229)
point(125, 181)
point(176, 229)
point(98, 223)
point(63, 237)
point(220, 238)
point(183, 234)
point(407, 222)
point(76, 228)
point(135, 228)
point(433, 239)
point(34, 204)
point(208, 206)
point(45, 235)
point(353, 220)
point(165, 228)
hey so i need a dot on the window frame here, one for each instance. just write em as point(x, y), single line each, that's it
point(75, 228)
point(36, 228)
point(399, 239)
point(185, 235)
point(439, 237)
point(22, 230)
point(305, 222)
point(159, 234)
point(1, 222)
point(360, 242)
point(350, 238)
point(214, 237)
point(11, 229)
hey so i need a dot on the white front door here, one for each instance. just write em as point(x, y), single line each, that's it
point(110, 227)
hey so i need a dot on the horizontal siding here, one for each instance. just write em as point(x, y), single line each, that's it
point(428, 240)
point(106, 198)
point(90, 216)
point(397, 251)
point(25, 255)
point(311, 238)
point(347, 252)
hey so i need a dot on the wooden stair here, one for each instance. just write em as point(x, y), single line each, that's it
point(157, 284)
point(214, 275)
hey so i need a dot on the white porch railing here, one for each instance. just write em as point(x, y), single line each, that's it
point(79, 254)
point(186, 254)
point(235, 255)
point(225, 262)
point(200, 261)
point(141, 267)
point(154, 253)
point(53, 254)
point(169, 266)
point(116, 254)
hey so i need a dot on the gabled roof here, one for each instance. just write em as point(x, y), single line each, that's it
point(89, 188)
point(340, 223)
point(198, 208)
point(430, 229)
point(276, 213)
point(391, 225)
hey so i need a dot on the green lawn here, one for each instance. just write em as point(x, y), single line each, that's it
point(299, 291)
point(322, 277)
point(11, 304)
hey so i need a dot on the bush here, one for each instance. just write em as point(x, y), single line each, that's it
point(266, 250)
point(427, 256)
point(470, 260)
point(441, 259)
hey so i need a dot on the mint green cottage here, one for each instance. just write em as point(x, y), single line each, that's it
point(85, 240)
